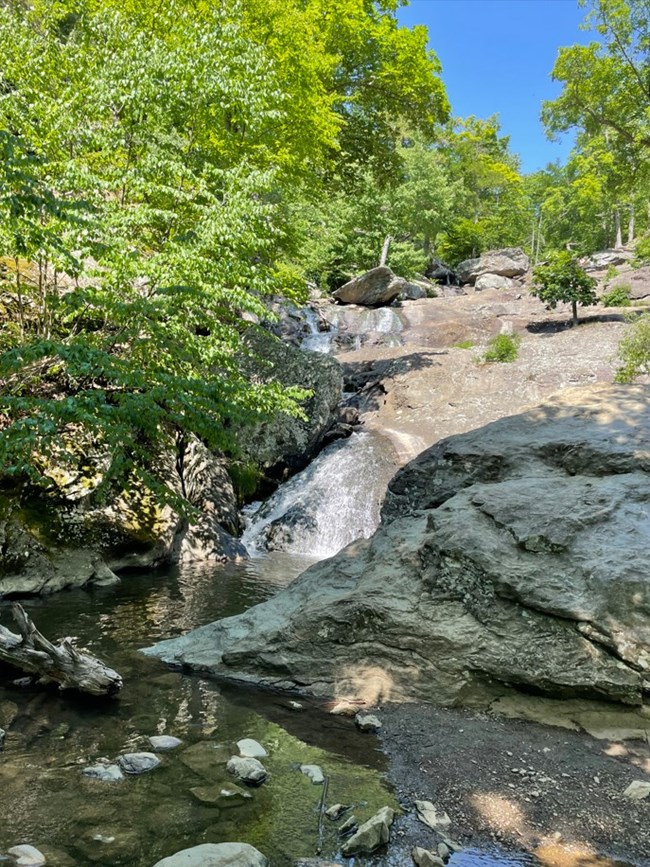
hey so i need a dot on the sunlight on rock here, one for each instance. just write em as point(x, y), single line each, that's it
point(555, 854)
point(616, 750)
point(370, 684)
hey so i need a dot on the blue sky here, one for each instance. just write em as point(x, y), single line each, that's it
point(497, 56)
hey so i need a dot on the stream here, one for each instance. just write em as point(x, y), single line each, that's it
point(47, 802)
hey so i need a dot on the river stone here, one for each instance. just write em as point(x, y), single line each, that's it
point(247, 770)
point(222, 795)
point(424, 858)
point(27, 856)
point(514, 554)
point(105, 773)
point(372, 834)
point(250, 749)
point(638, 790)
point(206, 758)
point(336, 811)
point(376, 288)
point(164, 742)
point(314, 772)
point(367, 722)
point(216, 855)
point(138, 763)
point(430, 815)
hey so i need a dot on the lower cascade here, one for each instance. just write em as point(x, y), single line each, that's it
point(334, 501)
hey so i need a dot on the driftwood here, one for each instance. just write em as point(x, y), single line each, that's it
point(60, 663)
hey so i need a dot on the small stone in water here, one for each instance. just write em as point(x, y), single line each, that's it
point(314, 773)
point(294, 705)
point(28, 856)
point(336, 811)
point(367, 722)
point(638, 790)
point(250, 749)
point(349, 826)
point(424, 858)
point(2, 738)
point(138, 763)
point(105, 773)
point(248, 770)
point(164, 742)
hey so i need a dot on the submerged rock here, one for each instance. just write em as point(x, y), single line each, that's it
point(164, 742)
point(314, 772)
point(27, 856)
point(138, 763)
point(424, 858)
point(105, 773)
point(224, 795)
point(216, 855)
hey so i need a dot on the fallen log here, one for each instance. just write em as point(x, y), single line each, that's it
point(60, 663)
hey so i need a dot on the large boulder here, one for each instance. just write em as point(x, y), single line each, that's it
point(216, 855)
point(376, 288)
point(508, 262)
point(606, 259)
point(287, 442)
point(515, 554)
point(492, 281)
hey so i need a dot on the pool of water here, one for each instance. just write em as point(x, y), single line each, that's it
point(47, 802)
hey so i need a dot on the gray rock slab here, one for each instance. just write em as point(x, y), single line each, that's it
point(206, 758)
point(251, 749)
point(216, 855)
point(638, 790)
point(105, 773)
point(164, 742)
point(424, 858)
point(314, 772)
point(433, 816)
point(222, 795)
point(367, 722)
point(138, 763)
point(27, 856)
point(372, 834)
point(375, 288)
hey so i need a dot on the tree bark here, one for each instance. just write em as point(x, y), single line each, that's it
point(60, 663)
point(617, 222)
point(384, 250)
point(574, 313)
point(630, 226)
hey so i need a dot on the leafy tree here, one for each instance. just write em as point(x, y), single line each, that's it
point(562, 279)
point(634, 351)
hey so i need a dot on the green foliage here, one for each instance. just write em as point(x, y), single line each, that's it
point(562, 279)
point(246, 478)
point(619, 296)
point(642, 251)
point(463, 344)
point(611, 272)
point(634, 351)
point(502, 348)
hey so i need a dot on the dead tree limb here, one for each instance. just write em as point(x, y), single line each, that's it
point(60, 663)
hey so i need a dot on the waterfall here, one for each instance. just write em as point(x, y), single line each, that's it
point(349, 327)
point(334, 501)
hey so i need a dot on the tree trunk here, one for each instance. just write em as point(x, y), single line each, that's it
point(60, 663)
point(574, 313)
point(617, 222)
point(630, 226)
point(384, 250)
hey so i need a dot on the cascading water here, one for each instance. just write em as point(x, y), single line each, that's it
point(349, 327)
point(334, 501)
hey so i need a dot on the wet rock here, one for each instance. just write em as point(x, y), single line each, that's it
point(250, 749)
point(8, 713)
point(444, 852)
point(224, 795)
point(206, 758)
point(336, 811)
point(638, 790)
point(314, 862)
point(376, 288)
point(348, 827)
point(372, 834)
point(164, 742)
point(424, 858)
point(2, 738)
point(314, 772)
point(295, 705)
point(27, 856)
point(367, 722)
point(216, 855)
point(106, 773)
point(430, 815)
point(138, 763)
point(249, 771)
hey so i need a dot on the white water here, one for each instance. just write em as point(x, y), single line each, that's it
point(334, 501)
point(357, 322)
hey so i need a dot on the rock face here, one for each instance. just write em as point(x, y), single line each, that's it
point(516, 553)
point(508, 262)
point(375, 288)
point(287, 442)
point(636, 281)
point(605, 259)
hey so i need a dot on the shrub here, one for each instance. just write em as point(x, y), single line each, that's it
point(562, 279)
point(619, 296)
point(634, 351)
point(642, 252)
point(502, 348)
point(463, 344)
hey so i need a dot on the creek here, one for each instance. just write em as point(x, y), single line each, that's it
point(47, 802)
